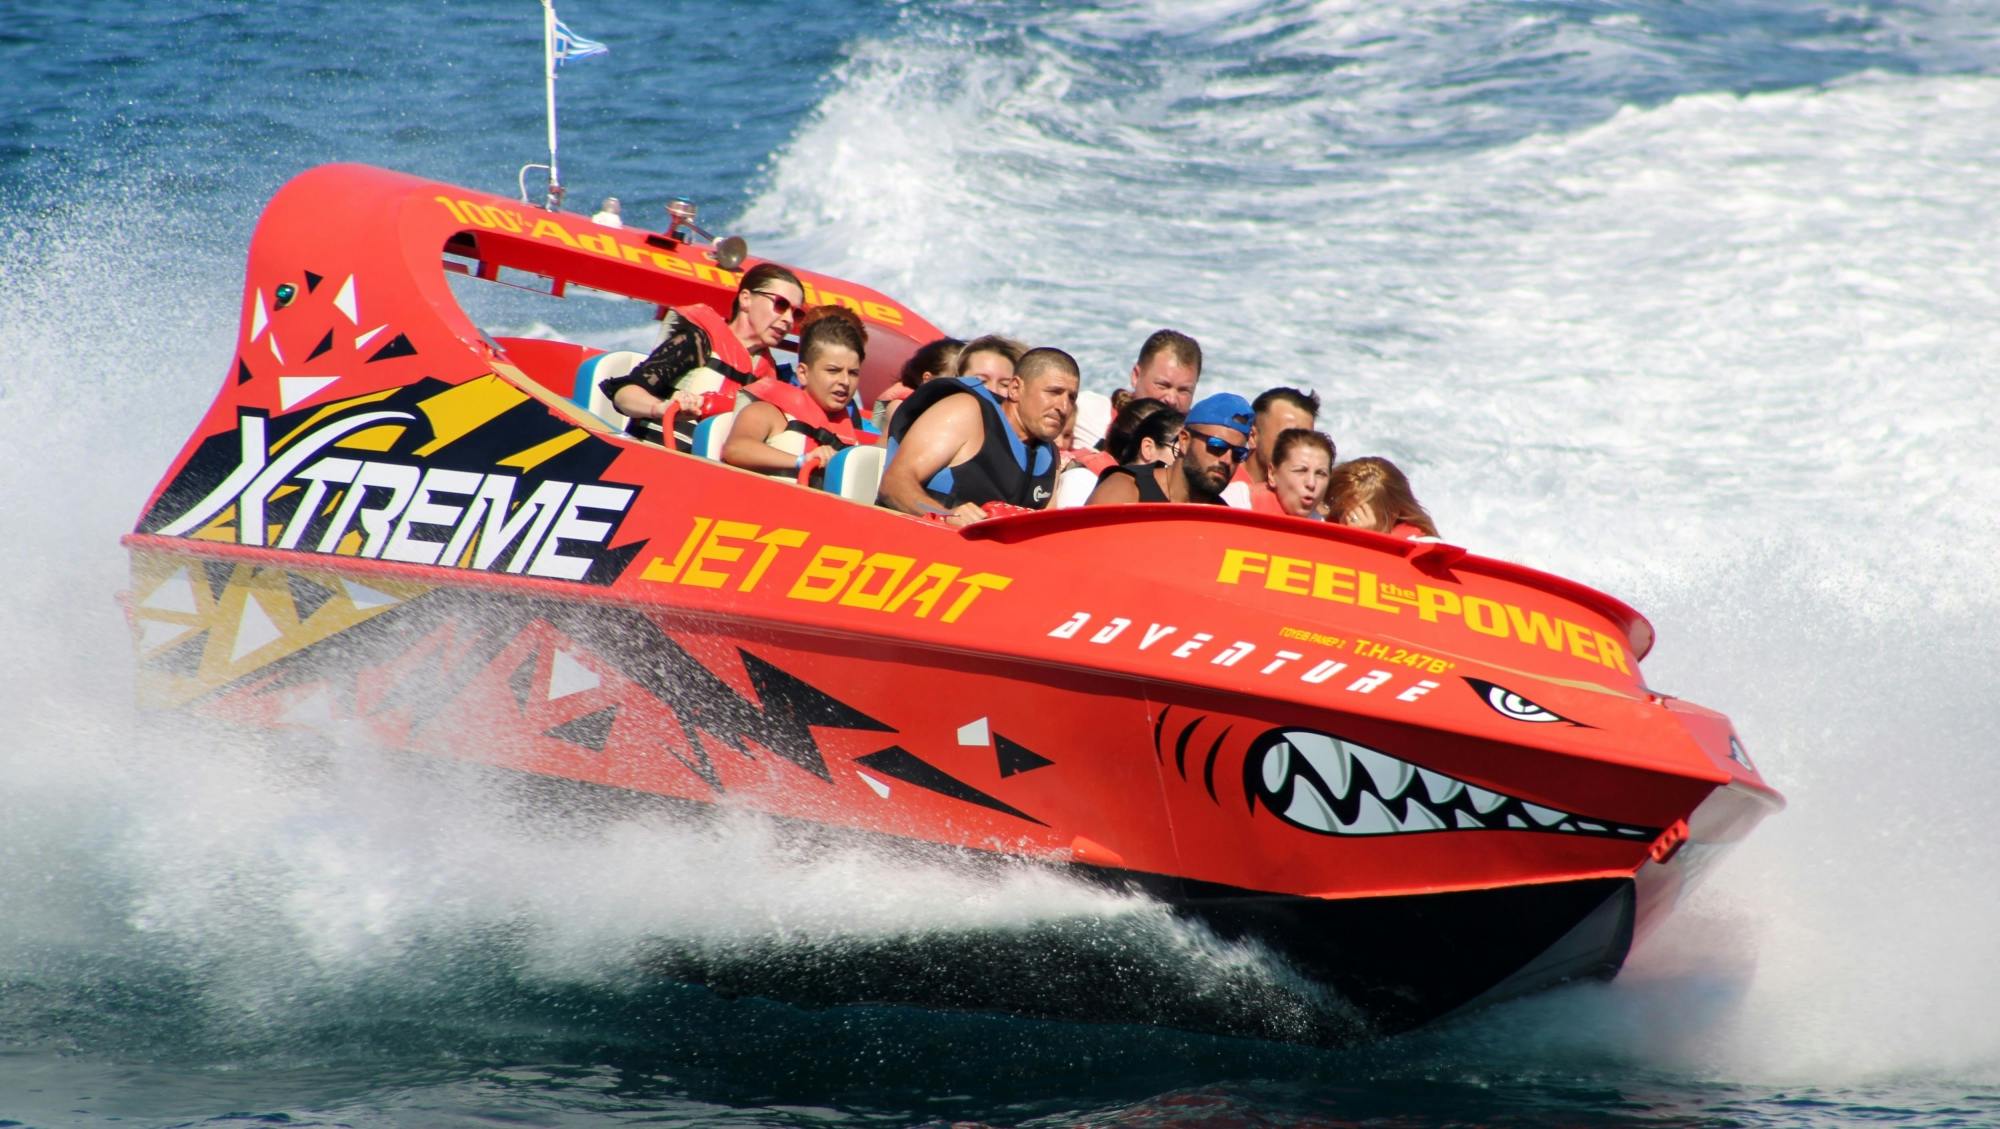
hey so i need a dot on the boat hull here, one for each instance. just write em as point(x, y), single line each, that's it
point(875, 741)
point(1420, 778)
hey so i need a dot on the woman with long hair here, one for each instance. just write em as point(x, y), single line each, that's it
point(1372, 493)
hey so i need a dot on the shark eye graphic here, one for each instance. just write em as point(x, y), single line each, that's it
point(1508, 704)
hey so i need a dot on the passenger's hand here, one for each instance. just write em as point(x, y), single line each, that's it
point(689, 401)
point(965, 514)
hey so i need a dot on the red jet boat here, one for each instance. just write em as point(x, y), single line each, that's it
point(1421, 779)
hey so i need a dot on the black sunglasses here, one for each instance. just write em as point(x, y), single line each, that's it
point(1220, 447)
point(779, 303)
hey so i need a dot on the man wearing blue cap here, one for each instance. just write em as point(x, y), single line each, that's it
point(1217, 438)
point(1212, 441)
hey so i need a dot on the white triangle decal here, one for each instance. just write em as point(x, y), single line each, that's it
point(293, 390)
point(365, 338)
point(344, 301)
point(253, 630)
point(258, 318)
point(175, 594)
point(157, 632)
point(568, 676)
point(365, 597)
point(273, 339)
point(297, 389)
point(972, 732)
point(880, 788)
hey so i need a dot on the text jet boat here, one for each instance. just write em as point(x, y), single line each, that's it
point(1423, 778)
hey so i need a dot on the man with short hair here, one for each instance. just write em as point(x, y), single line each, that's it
point(610, 214)
point(973, 447)
point(1274, 411)
point(1169, 366)
point(1200, 459)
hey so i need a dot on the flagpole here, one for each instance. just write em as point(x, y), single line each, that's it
point(549, 81)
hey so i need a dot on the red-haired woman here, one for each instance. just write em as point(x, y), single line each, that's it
point(1371, 493)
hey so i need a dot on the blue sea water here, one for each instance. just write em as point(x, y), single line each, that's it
point(1698, 302)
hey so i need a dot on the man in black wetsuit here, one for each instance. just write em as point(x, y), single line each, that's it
point(972, 448)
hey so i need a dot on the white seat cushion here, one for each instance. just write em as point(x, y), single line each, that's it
point(710, 434)
point(588, 396)
point(856, 473)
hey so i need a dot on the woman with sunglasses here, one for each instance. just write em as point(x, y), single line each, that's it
point(703, 359)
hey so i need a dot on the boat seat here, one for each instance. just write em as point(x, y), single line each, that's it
point(855, 473)
point(710, 434)
point(602, 367)
point(1093, 417)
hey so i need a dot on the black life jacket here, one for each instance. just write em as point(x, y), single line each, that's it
point(1005, 469)
point(1143, 476)
point(922, 397)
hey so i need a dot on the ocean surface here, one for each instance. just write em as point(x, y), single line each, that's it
point(1698, 302)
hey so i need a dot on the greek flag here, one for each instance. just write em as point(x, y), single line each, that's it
point(570, 45)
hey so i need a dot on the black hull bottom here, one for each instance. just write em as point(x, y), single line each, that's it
point(1312, 971)
point(1194, 957)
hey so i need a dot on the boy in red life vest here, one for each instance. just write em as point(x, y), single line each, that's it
point(697, 339)
point(795, 429)
point(1274, 411)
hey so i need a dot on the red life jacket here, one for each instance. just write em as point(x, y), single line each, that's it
point(726, 354)
point(804, 415)
point(1097, 462)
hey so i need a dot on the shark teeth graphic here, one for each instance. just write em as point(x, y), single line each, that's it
point(1330, 786)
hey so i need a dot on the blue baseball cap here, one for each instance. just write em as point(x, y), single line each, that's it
point(1224, 409)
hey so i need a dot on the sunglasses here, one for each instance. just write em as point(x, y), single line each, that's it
point(780, 304)
point(1220, 447)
